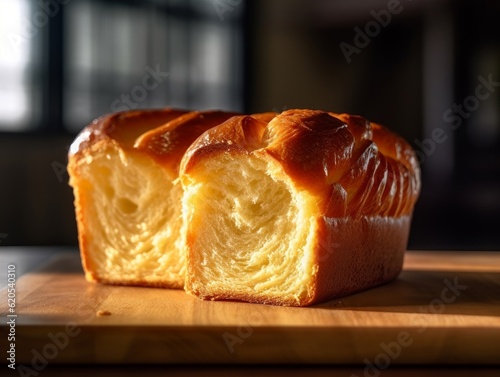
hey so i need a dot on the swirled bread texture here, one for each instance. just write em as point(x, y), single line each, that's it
point(123, 169)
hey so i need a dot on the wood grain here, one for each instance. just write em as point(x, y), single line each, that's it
point(443, 309)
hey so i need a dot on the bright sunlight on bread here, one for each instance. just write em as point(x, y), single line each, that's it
point(296, 210)
point(123, 169)
point(287, 209)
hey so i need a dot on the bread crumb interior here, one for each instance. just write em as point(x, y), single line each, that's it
point(135, 213)
point(248, 229)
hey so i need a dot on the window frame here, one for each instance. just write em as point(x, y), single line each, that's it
point(47, 76)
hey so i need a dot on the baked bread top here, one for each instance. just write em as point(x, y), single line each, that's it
point(354, 167)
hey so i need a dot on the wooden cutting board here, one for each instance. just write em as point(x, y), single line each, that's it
point(443, 309)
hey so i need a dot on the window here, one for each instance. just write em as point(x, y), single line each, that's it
point(16, 58)
point(105, 56)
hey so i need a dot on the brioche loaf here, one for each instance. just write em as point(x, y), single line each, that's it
point(288, 209)
point(296, 210)
point(122, 169)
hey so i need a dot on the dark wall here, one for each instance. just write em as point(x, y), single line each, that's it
point(411, 74)
point(429, 58)
point(36, 205)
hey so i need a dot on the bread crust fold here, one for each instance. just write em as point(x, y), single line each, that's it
point(352, 182)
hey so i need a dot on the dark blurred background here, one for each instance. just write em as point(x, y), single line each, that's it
point(428, 69)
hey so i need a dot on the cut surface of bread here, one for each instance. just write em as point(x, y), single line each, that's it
point(123, 169)
point(296, 210)
point(249, 230)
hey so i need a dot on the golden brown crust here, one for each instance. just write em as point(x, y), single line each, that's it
point(354, 254)
point(366, 181)
point(168, 143)
point(123, 127)
point(358, 168)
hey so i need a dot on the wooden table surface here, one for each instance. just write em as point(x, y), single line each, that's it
point(443, 309)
